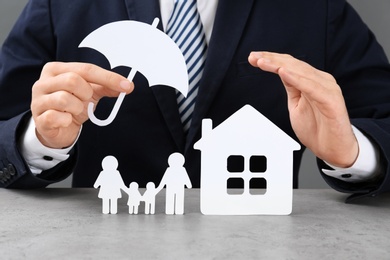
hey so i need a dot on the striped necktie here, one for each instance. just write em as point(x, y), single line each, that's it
point(185, 28)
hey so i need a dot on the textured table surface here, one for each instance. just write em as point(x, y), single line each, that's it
point(68, 224)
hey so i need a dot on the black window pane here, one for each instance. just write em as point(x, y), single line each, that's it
point(257, 186)
point(235, 186)
point(258, 163)
point(235, 163)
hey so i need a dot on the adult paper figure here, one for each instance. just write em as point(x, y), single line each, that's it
point(175, 179)
point(110, 183)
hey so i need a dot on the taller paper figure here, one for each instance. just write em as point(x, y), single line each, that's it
point(175, 179)
point(143, 48)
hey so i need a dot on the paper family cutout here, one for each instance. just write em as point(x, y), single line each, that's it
point(246, 148)
point(175, 179)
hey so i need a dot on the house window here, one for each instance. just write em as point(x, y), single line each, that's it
point(235, 163)
point(238, 184)
point(244, 175)
point(258, 163)
point(257, 186)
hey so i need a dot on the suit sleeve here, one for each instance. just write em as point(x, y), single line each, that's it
point(361, 68)
point(29, 46)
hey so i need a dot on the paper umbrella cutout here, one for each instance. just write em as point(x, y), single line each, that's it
point(144, 48)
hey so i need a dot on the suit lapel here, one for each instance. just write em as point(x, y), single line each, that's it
point(146, 11)
point(229, 24)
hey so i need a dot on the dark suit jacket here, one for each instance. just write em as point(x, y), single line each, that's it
point(328, 34)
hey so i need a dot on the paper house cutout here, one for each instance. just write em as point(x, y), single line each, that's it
point(248, 148)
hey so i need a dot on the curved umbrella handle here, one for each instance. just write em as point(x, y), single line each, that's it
point(115, 109)
point(118, 102)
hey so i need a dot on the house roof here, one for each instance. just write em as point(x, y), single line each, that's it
point(246, 126)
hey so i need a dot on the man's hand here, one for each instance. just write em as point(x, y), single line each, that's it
point(316, 105)
point(60, 99)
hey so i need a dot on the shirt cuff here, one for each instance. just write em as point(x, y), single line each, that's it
point(366, 166)
point(38, 156)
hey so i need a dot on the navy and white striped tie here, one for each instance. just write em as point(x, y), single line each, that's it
point(185, 28)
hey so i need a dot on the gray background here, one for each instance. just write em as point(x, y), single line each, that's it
point(373, 12)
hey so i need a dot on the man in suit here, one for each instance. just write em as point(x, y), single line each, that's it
point(322, 73)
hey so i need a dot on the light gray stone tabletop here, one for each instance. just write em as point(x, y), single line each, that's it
point(68, 224)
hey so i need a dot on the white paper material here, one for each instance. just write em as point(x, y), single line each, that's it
point(110, 183)
point(144, 49)
point(175, 179)
point(246, 134)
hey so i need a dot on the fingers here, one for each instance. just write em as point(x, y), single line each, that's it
point(65, 87)
point(296, 84)
point(52, 119)
point(297, 76)
point(61, 95)
point(69, 82)
point(60, 101)
point(65, 93)
point(90, 73)
point(273, 62)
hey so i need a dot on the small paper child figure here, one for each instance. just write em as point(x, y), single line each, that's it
point(134, 198)
point(110, 183)
point(175, 178)
point(149, 197)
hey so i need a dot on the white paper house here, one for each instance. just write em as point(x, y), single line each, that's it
point(260, 152)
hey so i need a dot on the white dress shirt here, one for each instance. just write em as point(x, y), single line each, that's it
point(36, 155)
